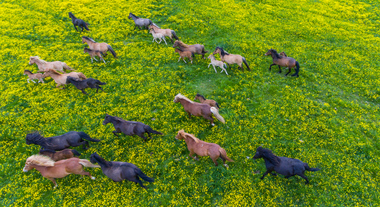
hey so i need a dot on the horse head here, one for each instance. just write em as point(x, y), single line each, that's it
point(93, 159)
point(107, 119)
point(259, 153)
point(32, 60)
point(32, 138)
point(180, 135)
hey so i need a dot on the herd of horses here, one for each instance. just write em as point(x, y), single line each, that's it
point(56, 160)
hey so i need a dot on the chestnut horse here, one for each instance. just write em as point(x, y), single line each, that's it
point(166, 32)
point(44, 65)
point(201, 148)
point(51, 169)
point(284, 62)
point(61, 79)
point(198, 109)
point(203, 100)
point(197, 48)
point(59, 155)
point(102, 47)
point(231, 58)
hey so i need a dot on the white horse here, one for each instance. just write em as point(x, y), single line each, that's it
point(157, 35)
point(218, 63)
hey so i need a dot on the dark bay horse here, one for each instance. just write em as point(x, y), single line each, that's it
point(283, 165)
point(140, 22)
point(61, 142)
point(129, 127)
point(197, 48)
point(284, 62)
point(198, 109)
point(231, 58)
point(119, 171)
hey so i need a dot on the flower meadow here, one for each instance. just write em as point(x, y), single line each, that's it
point(328, 117)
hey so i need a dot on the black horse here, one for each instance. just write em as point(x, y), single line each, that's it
point(129, 127)
point(78, 22)
point(61, 142)
point(86, 83)
point(283, 165)
point(119, 171)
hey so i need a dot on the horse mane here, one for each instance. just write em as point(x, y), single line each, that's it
point(134, 16)
point(178, 49)
point(87, 38)
point(34, 136)
point(183, 97)
point(156, 25)
point(72, 15)
point(201, 96)
point(181, 43)
point(222, 52)
point(117, 118)
point(192, 136)
point(41, 160)
point(270, 156)
point(106, 163)
point(276, 53)
point(87, 49)
point(39, 59)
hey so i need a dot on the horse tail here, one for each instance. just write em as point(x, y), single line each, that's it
point(246, 64)
point(87, 163)
point(150, 130)
point(216, 103)
point(82, 76)
point(111, 50)
point(308, 168)
point(174, 35)
point(297, 69)
point(217, 115)
point(203, 49)
point(75, 152)
point(142, 175)
point(66, 67)
point(223, 154)
point(86, 137)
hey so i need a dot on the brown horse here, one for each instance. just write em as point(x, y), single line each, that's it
point(198, 109)
point(201, 148)
point(51, 169)
point(33, 76)
point(231, 58)
point(59, 155)
point(166, 32)
point(284, 62)
point(61, 79)
point(43, 65)
point(203, 100)
point(183, 54)
point(197, 48)
point(94, 53)
point(103, 47)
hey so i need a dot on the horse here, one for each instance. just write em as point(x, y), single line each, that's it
point(215, 62)
point(198, 109)
point(202, 148)
point(119, 171)
point(94, 53)
point(231, 58)
point(78, 22)
point(59, 155)
point(61, 142)
point(43, 65)
point(159, 36)
point(129, 128)
point(203, 100)
point(282, 165)
point(284, 62)
point(183, 54)
point(166, 32)
point(51, 169)
point(33, 76)
point(87, 83)
point(103, 47)
point(61, 79)
point(139, 21)
point(197, 48)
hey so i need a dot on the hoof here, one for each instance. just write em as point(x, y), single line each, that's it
point(93, 178)
point(225, 165)
point(212, 124)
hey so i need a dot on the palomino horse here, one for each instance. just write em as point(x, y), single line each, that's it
point(198, 109)
point(166, 32)
point(139, 22)
point(119, 171)
point(61, 79)
point(201, 148)
point(43, 65)
point(197, 48)
point(203, 100)
point(102, 47)
point(231, 58)
point(283, 165)
point(284, 62)
point(51, 169)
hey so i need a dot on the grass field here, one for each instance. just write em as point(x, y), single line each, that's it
point(328, 117)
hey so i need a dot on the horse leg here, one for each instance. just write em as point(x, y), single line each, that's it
point(75, 28)
point(209, 118)
point(95, 59)
point(135, 27)
point(270, 67)
point(304, 177)
point(279, 67)
point(142, 136)
point(179, 59)
point(189, 115)
point(165, 41)
point(290, 69)
point(117, 131)
point(214, 159)
point(274, 174)
point(288, 176)
point(85, 173)
point(266, 173)
point(214, 68)
point(53, 180)
point(183, 58)
point(84, 92)
point(191, 155)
